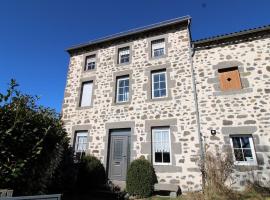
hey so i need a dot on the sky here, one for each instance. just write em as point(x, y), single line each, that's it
point(35, 33)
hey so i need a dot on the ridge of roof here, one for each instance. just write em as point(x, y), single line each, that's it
point(207, 40)
point(130, 32)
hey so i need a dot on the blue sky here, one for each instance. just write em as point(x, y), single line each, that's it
point(35, 33)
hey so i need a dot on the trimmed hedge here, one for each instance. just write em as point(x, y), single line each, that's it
point(141, 178)
point(91, 173)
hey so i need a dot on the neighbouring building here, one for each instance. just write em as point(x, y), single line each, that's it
point(154, 92)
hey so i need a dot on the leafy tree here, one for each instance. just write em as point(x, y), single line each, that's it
point(32, 143)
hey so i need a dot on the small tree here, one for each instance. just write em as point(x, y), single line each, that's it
point(141, 178)
point(32, 140)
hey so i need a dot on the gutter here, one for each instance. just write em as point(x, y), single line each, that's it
point(202, 153)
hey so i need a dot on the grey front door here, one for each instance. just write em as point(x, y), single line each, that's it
point(119, 154)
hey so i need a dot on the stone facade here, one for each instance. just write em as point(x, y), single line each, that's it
point(176, 111)
point(246, 111)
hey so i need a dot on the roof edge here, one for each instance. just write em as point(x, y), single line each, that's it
point(215, 39)
point(130, 32)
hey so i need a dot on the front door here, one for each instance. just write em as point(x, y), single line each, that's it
point(119, 154)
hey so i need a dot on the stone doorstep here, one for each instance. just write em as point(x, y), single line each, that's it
point(174, 189)
point(120, 184)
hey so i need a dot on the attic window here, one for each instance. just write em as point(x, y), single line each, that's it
point(229, 79)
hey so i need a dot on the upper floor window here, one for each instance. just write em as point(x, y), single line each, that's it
point(122, 91)
point(159, 84)
point(86, 94)
point(243, 150)
point(158, 48)
point(161, 145)
point(123, 55)
point(229, 79)
point(90, 62)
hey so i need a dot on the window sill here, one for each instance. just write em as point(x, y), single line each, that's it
point(160, 99)
point(162, 164)
point(233, 92)
point(121, 103)
point(84, 107)
point(123, 64)
point(158, 57)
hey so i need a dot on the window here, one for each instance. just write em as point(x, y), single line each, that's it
point(243, 150)
point(122, 91)
point(159, 84)
point(90, 62)
point(123, 55)
point(161, 145)
point(80, 144)
point(229, 79)
point(158, 48)
point(86, 94)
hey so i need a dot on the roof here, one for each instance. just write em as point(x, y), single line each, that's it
point(225, 38)
point(130, 33)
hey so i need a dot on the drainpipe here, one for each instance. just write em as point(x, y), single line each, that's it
point(202, 153)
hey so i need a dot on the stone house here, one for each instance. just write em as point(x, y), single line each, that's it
point(154, 92)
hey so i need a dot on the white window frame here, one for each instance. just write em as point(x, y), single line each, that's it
point(80, 134)
point(153, 147)
point(81, 104)
point(245, 163)
point(88, 59)
point(166, 82)
point(123, 49)
point(117, 88)
point(153, 49)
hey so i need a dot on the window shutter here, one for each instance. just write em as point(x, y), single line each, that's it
point(230, 79)
point(86, 94)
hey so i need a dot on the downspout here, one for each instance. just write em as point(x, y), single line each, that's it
point(202, 153)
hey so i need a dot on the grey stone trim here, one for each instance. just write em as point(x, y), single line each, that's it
point(227, 64)
point(118, 125)
point(233, 92)
point(77, 128)
point(149, 47)
point(84, 61)
point(148, 86)
point(114, 86)
point(146, 147)
point(241, 130)
point(79, 90)
point(131, 52)
point(244, 81)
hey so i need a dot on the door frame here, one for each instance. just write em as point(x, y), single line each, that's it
point(118, 132)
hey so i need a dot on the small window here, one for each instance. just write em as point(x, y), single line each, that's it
point(159, 84)
point(158, 48)
point(81, 141)
point(161, 142)
point(243, 150)
point(86, 94)
point(122, 91)
point(123, 55)
point(90, 62)
point(229, 79)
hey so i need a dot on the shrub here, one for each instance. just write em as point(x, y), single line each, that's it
point(141, 178)
point(91, 173)
point(32, 140)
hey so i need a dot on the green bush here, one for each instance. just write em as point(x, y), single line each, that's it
point(32, 141)
point(91, 173)
point(141, 178)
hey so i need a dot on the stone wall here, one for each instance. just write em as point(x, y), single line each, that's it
point(246, 111)
point(176, 111)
